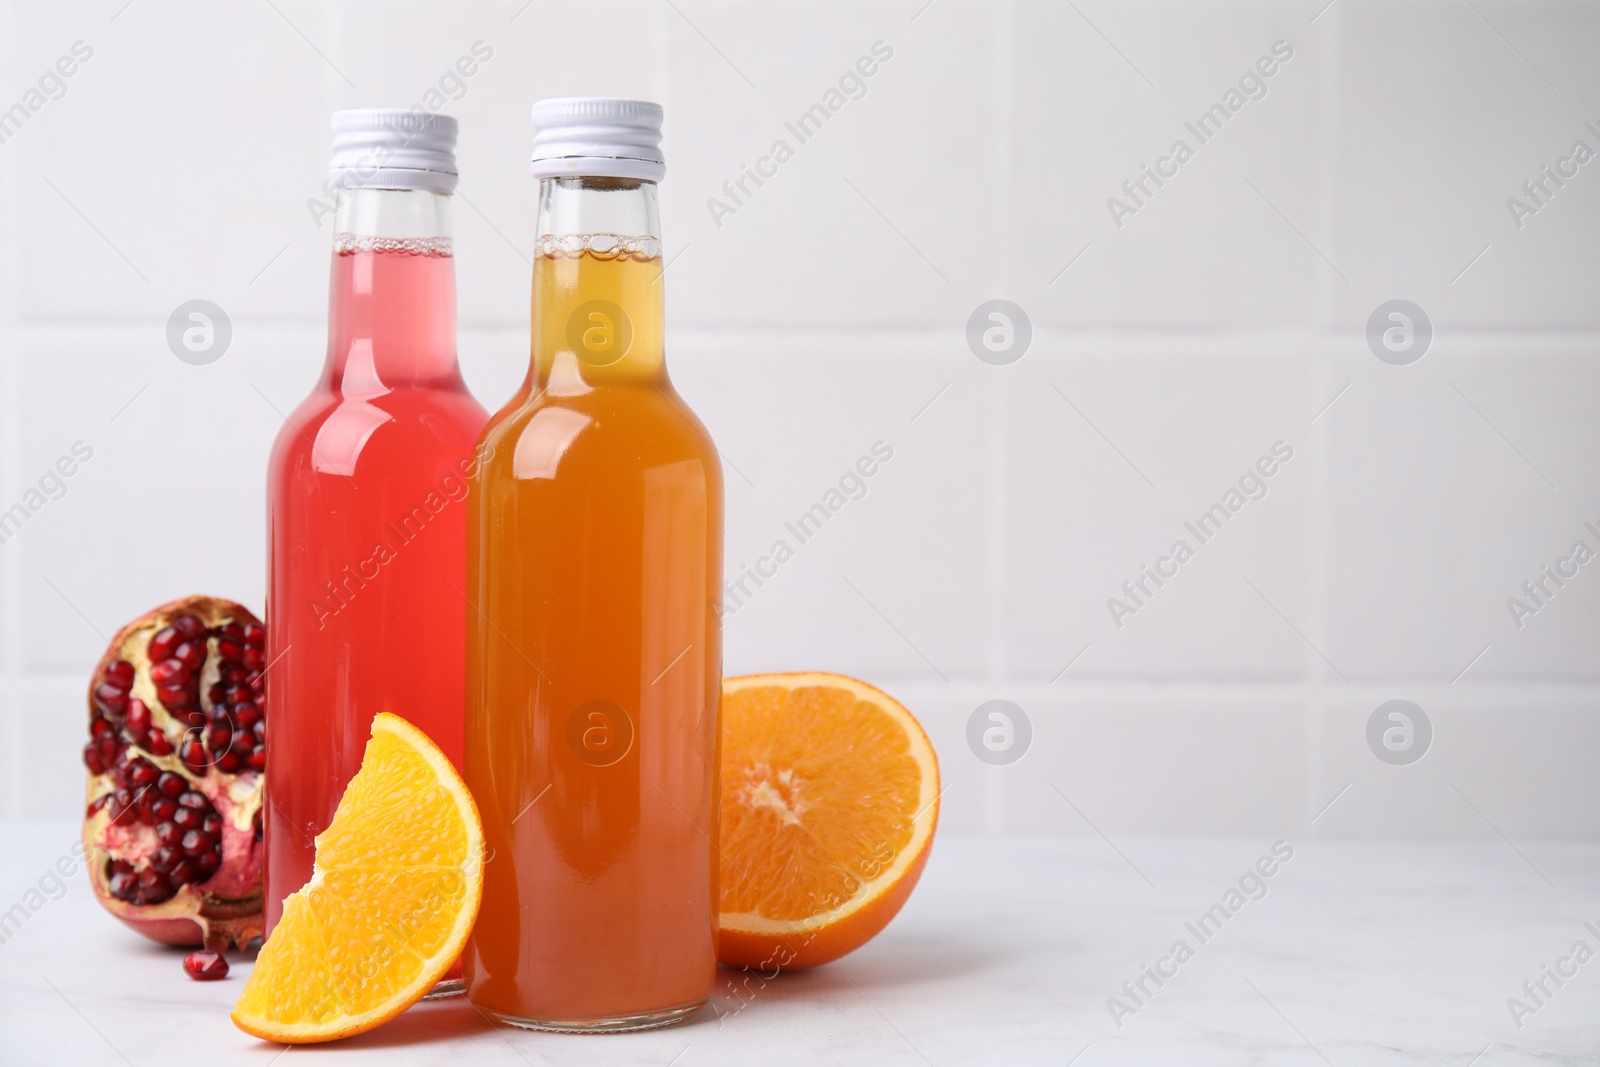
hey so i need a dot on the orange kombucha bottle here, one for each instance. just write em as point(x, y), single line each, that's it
point(594, 654)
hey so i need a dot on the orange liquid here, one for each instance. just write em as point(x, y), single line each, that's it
point(594, 667)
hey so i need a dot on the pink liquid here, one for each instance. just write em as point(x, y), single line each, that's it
point(367, 527)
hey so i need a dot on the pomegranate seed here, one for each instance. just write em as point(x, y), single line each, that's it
point(111, 698)
point(171, 785)
point(164, 858)
point(174, 696)
point(162, 644)
point(231, 629)
point(236, 676)
point(229, 651)
point(92, 760)
point(123, 885)
point(198, 841)
point(184, 872)
point(254, 657)
point(207, 863)
point(141, 772)
point(246, 716)
point(219, 736)
point(153, 887)
point(168, 672)
point(205, 966)
point(169, 832)
point(255, 633)
point(119, 672)
point(138, 716)
point(195, 801)
point(240, 694)
point(106, 749)
point(99, 802)
point(187, 819)
point(191, 654)
point(194, 755)
point(191, 628)
point(214, 694)
point(212, 825)
point(157, 744)
point(258, 684)
point(163, 810)
point(229, 762)
point(258, 759)
point(99, 727)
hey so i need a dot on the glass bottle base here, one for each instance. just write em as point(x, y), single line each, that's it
point(446, 987)
point(646, 1021)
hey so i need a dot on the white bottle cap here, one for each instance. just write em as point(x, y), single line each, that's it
point(393, 148)
point(597, 137)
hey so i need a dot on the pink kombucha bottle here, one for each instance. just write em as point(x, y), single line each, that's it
point(367, 491)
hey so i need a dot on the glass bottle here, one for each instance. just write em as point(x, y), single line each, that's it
point(593, 654)
point(367, 491)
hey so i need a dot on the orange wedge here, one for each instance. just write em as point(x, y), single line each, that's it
point(395, 890)
point(830, 795)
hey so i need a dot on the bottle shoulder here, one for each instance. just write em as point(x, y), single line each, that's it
point(636, 426)
point(331, 433)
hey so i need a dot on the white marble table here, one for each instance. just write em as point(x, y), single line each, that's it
point(1358, 953)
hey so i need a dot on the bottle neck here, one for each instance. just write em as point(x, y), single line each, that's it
point(392, 293)
point(598, 303)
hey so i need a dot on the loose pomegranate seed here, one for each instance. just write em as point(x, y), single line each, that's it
point(205, 966)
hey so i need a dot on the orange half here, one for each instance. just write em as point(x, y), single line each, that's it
point(393, 895)
point(830, 796)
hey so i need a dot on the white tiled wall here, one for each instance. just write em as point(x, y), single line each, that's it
point(828, 313)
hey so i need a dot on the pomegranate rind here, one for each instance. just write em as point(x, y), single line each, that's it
point(228, 909)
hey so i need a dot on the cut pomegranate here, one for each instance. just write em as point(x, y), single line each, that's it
point(175, 753)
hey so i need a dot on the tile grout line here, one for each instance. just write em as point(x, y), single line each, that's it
point(10, 469)
point(1316, 711)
